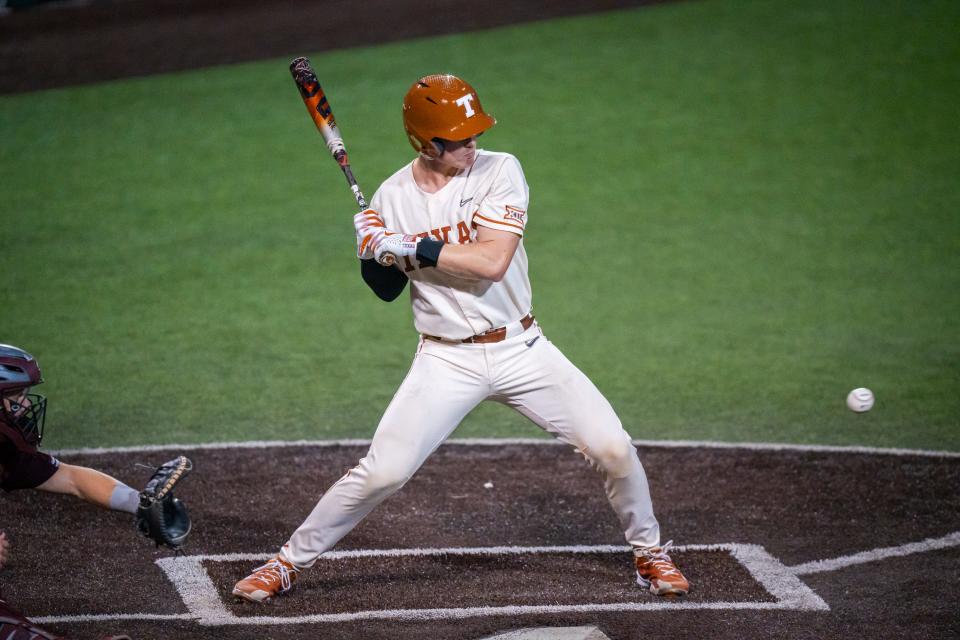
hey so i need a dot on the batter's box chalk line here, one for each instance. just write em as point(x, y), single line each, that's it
point(501, 442)
point(205, 606)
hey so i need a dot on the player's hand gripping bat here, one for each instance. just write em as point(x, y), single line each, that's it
point(319, 109)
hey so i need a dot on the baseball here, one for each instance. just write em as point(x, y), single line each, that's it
point(860, 400)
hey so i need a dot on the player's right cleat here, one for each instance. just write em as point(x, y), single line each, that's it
point(657, 573)
point(277, 576)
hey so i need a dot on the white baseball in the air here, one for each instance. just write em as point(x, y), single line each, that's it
point(860, 400)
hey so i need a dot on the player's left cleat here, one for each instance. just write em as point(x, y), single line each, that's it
point(657, 573)
point(277, 576)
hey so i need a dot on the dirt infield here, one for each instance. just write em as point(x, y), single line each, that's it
point(448, 557)
point(485, 538)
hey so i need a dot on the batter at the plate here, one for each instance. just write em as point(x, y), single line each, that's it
point(451, 222)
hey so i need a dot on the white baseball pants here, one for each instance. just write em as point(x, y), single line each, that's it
point(445, 382)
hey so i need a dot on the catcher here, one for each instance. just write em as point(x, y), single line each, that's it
point(159, 515)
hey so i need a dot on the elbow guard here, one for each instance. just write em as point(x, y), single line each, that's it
point(386, 282)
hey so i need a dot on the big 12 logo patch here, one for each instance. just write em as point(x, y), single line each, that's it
point(513, 213)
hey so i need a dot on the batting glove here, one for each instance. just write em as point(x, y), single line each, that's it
point(368, 226)
point(391, 246)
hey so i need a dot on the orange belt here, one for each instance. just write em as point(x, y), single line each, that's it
point(493, 335)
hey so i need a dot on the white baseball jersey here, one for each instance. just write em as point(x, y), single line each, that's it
point(494, 194)
point(524, 371)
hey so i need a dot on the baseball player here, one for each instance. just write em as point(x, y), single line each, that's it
point(159, 515)
point(23, 466)
point(451, 223)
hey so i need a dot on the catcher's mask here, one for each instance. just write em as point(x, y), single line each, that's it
point(442, 107)
point(21, 414)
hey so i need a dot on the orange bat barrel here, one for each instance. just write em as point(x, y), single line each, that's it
point(319, 109)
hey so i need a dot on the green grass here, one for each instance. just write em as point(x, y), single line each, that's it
point(739, 212)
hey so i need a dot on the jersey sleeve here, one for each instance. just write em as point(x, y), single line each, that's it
point(384, 202)
point(25, 470)
point(376, 202)
point(505, 206)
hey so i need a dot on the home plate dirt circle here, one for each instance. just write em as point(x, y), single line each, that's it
point(506, 538)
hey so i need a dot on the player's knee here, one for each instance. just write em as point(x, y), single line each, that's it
point(615, 456)
point(386, 479)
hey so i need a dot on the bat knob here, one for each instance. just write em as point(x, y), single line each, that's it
point(387, 260)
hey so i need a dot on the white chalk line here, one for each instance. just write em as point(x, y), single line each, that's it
point(111, 617)
point(499, 442)
point(205, 606)
point(930, 544)
point(486, 612)
point(189, 577)
point(438, 551)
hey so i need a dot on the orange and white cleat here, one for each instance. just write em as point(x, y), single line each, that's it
point(277, 576)
point(657, 573)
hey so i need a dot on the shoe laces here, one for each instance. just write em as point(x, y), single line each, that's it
point(276, 570)
point(659, 560)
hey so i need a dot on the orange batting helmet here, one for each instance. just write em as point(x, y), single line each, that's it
point(442, 106)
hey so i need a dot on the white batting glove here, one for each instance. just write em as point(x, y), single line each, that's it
point(368, 226)
point(391, 246)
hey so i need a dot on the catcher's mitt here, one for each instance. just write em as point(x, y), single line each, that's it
point(160, 516)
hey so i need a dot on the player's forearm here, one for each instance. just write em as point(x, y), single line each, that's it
point(475, 261)
point(91, 486)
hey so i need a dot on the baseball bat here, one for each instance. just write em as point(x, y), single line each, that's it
point(319, 109)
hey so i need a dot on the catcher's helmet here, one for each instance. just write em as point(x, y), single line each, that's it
point(445, 107)
point(21, 414)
